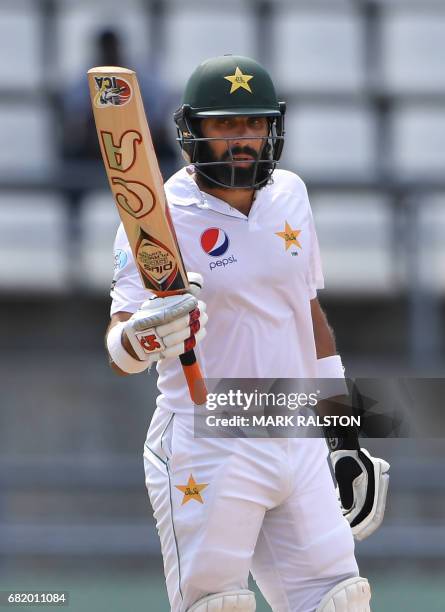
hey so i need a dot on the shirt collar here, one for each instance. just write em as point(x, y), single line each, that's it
point(182, 190)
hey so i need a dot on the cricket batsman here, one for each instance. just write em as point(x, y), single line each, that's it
point(225, 507)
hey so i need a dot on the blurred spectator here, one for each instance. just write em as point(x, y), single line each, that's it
point(79, 140)
point(82, 169)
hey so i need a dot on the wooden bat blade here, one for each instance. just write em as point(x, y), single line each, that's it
point(135, 179)
point(137, 186)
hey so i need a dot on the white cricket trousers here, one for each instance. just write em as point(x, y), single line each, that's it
point(269, 507)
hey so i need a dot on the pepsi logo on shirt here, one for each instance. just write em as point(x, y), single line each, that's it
point(215, 242)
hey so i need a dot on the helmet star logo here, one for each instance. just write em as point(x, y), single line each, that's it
point(239, 80)
point(290, 236)
point(191, 490)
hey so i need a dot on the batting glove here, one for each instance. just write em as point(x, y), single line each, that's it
point(362, 485)
point(169, 326)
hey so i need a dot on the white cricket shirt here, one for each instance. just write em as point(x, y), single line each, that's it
point(260, 273)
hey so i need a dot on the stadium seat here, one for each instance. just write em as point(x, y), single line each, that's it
point(419, 137)
point(26, 133)
point(413, 45)
point(20, 35)
point(432, 235)
point(98, 224)
point(195, 35)
point(355, 236)
point(317, 49)
point(33, 245)
point(330, 141)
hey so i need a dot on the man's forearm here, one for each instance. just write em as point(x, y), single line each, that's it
point(323, 333)
point(336, 404)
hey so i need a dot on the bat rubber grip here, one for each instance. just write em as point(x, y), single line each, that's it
point(193, 376)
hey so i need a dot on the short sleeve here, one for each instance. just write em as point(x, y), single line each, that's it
point(127, 293)
point(315, 279)
point(315, 272)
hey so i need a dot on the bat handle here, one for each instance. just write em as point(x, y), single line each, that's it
point(193, 376)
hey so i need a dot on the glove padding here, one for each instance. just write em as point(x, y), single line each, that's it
point(170, 326)
point(362, 485)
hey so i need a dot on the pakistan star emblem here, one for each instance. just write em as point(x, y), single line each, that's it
point(290, 236)
point(191, 490)
point(239, 80)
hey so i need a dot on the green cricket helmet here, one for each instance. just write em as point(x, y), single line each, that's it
point(230, 85)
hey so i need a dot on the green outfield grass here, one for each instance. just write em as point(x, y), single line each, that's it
point(122, 592)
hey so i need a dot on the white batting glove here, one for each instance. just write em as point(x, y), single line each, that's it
point(362, 485)
point(170, 326)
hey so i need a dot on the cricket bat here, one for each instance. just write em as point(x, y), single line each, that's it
point(137, 185)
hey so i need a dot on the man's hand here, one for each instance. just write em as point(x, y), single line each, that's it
point(362, 485)
point(167, 327)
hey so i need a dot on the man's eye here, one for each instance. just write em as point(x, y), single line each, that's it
point(258, 123)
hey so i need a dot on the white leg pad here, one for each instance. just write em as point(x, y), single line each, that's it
point(230, 601)
point(351, 595)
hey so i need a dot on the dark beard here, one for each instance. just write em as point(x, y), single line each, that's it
point(222, 173)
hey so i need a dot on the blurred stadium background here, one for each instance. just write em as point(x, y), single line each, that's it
point(365, 85)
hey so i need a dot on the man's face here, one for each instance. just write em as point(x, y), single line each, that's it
point(241, 138)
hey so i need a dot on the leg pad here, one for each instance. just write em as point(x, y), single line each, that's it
point(230, 601)
point(351, 595)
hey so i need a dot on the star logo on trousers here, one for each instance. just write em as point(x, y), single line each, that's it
point(192, 490)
